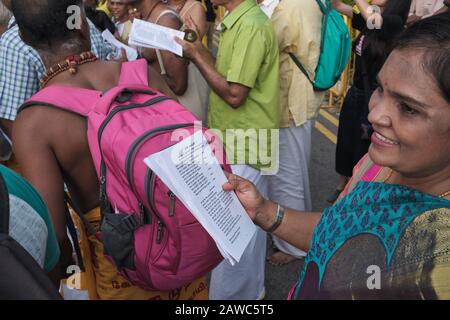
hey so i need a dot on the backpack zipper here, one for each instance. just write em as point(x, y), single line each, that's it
point(102, 128)
point(149, 177)
point(171, 203)
point(139, 141)
point(149, 180)
point(149, 189)
point(160, 231)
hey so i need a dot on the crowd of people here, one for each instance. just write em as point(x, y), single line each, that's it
point(391, 207)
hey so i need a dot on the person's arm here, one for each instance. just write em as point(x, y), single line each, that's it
point(342, 8)
point(412, 19)
point(40, 168)
point(297, 227)
point(445, 8)
point(156, 81)
point(234, 94)
point(176, 67)
point(364, 8)
point(247, 57)
point(198, 16)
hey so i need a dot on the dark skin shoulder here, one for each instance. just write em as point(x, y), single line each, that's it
point(52, 148)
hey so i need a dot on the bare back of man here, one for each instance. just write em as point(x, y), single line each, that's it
point(52, 148)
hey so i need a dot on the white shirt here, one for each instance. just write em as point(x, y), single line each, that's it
point(268, 6)
point(425, 8)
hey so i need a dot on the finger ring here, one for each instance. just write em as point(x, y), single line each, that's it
point(190, 35)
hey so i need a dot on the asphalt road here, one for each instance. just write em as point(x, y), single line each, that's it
point(323, 179)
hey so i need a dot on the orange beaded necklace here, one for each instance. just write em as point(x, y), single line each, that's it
point(70, 64)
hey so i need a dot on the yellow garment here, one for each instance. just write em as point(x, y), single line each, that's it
point(356, 8)
point(110, 285)
point(104, 7)
point(427, 238)
point(298, 26)
point(125, 36)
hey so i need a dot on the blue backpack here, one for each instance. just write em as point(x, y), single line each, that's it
point(334, 49)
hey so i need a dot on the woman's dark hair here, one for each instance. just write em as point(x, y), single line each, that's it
point(432, 36)
point(379, 42)
point(398, 7)
point(43, 23)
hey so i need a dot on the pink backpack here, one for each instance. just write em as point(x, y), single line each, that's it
point(150, 236)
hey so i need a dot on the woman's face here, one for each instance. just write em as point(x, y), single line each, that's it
point(118, 8)
point(410, 117)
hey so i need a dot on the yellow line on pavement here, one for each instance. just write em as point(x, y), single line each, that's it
point(327, 133)
point(329, 117)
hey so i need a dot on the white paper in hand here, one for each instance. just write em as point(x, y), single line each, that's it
point(151, 35)
point(192, 172)
point(131, 53)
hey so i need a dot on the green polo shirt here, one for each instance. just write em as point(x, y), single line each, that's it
point(248, 55)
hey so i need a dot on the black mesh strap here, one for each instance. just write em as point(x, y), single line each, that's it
point(301, 67)
point(89, 227)
point(73, 232)
point(74, 235)
point(4, 207)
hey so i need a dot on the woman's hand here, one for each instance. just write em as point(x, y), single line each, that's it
point(247, 193)
point(296, 228)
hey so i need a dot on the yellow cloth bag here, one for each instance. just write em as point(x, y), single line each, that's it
point(109, 285)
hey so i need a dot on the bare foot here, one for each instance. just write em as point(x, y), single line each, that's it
point(280, 259)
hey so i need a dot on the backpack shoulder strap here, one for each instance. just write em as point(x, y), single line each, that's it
point(134, 72)
point(301, 67)
point(325, 6)
point(4, 207)
point(165, 12)
point(76, 100)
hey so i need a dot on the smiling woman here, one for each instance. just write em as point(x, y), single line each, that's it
point(387, 235)
point(379, 24)
point(410, 112)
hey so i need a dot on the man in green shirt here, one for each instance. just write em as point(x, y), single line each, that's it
point(244, 109)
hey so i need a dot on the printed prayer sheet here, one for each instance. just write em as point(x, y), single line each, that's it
point(151, 35)
point(190, 169)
